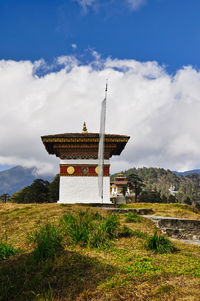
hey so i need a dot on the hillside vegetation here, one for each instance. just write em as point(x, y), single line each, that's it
point(40, 191)
point(160, 180)
point(124, 269)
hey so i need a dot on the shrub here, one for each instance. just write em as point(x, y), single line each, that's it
point(99, 237)
point(48, 240)
point(96, 216)
point(78, 227)
point(160, 244)
point(90, 229)
point(122, 206)
point(198, 206)
point(7, 250)
point(112, 225)
point(187, 201)
point(139, 234)
point(132, 217)
point(125, 232)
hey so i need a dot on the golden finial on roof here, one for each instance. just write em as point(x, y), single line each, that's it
point(120, 175)
point(84, 130)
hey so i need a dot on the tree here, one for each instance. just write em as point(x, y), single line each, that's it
point(20, 196)
point(38, 192)
point(198, 206)
point(187, 201)
point(150, 197)
point(172, 199)
point(135, 183)
point(164, 198)
point(5, 197)
point(54, 189)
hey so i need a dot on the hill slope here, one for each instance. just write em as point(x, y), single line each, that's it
point(16, 178)
point(159, 179)
point(125, 270)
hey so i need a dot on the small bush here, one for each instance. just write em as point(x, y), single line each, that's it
point(160, 244)
point(198, 206)
point(99, 237)
point(7, 250)
point(96, 216)
point(125, 232)
point(166, 289)
point(122, 206)
point(48, 240)
point(139, 234)
point(132, 217)
point(112, 225)
point(78, 227)
point(90, 229)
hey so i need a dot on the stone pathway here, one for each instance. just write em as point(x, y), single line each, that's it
point(194, 242)
point(141, 211)
point(183, 229)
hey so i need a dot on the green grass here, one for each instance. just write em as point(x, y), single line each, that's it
point(48, 242)
point(125, 232)
point(160, 244)
point(171, 210)
point(132, 217)
point(7, 250)
point(139, 234)
point(124, 269)
point(90, 229)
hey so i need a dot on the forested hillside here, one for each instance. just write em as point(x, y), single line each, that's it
point(40, 191)
point(159, 179)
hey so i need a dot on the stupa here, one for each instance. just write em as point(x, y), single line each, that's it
point(78, 153)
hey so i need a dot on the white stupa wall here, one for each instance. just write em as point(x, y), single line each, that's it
point(83, 189)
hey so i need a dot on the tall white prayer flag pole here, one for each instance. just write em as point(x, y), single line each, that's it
point(101, 144)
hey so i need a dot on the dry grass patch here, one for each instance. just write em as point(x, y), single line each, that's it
point(18, 219)
point(170, 210)
point(123, 271)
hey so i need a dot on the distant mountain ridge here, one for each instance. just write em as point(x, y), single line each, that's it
point(18, 177)
point(188, 172)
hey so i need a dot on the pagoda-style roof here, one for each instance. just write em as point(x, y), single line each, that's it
point(83, 145)
point(120, 179)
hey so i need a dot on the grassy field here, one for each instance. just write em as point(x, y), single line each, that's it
point(125, 270)
point(171, 210)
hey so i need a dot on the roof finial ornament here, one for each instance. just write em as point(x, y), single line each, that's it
point(84, 130)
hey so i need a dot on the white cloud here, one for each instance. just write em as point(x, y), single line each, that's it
point(159, 111)
point(135, 4)
point(67, 61)
point(74, 46)
point(132, 4)
point(85, 3)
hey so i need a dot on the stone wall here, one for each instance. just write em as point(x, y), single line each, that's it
point(180, 228)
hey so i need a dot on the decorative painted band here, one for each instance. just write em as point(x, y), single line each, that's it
point(82, 170)
point(53, 139)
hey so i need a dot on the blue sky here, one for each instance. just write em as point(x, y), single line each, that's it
point(166, 31)
point(55, 56)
